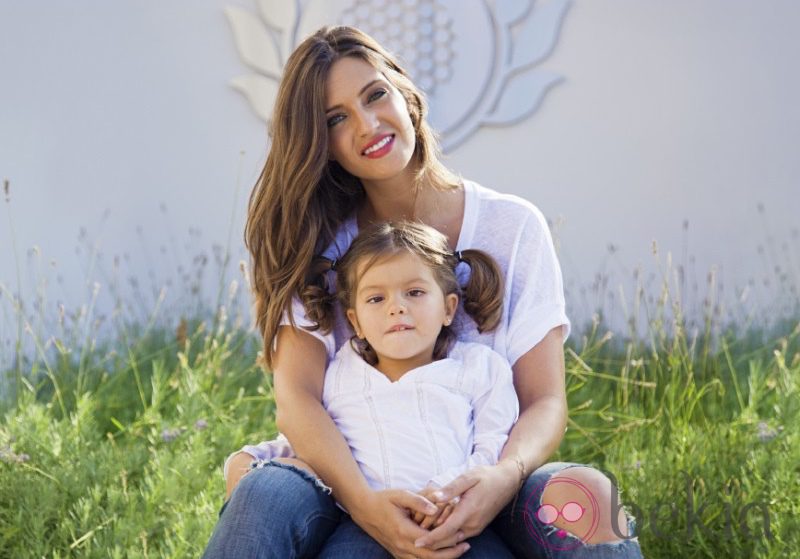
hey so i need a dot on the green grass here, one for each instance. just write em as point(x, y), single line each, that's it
point(124, 459)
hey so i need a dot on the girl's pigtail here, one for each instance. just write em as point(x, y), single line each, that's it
point(483, 293)
point(316, 296)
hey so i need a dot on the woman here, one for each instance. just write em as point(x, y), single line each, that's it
point(351, 147)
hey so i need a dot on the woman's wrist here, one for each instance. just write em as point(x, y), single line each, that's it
point(516, 469)
point(360, 504)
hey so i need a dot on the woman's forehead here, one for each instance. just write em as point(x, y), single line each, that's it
point(347, 78)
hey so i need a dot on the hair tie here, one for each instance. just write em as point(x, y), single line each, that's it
point(333, 264)
point(457, 254)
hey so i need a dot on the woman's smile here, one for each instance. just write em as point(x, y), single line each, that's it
point(380, 146)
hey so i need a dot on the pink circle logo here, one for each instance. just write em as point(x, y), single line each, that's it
point(570, 511)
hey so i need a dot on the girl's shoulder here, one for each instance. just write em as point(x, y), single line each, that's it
point(473, 353)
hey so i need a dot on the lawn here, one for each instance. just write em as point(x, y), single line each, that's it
point(115, 450)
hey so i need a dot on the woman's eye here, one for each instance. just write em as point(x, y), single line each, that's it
point(334, 120)
point(377, 94)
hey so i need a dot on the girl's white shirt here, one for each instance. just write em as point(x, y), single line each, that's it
point(431, 425)
point(516, 234)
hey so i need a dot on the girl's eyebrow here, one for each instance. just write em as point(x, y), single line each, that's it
point(413, 280)
point(363, 89)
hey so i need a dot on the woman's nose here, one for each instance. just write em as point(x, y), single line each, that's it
point(367, 122)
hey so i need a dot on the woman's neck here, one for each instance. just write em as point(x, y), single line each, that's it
point(399, 199)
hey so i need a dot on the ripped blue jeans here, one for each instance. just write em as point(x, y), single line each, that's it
point(279, 511)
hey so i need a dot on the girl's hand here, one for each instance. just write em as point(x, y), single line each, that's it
point(483, 491)
point(426, 521)
point(386, 516)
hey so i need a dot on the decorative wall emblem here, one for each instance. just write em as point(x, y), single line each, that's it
point(477, 60)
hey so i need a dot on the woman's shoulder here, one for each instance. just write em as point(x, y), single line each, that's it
point(502, 207)
point(345, 233)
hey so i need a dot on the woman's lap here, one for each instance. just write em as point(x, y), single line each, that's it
point(280, 511)
point(275, 511)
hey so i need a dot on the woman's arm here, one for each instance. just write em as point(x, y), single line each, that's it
point(299, 366)
point(484, 491)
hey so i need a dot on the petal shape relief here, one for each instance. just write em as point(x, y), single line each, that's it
point(538, 34)
point(509, 12)
point(260, 91)
point(521, 95)
point(280, 14)
point(254, 43)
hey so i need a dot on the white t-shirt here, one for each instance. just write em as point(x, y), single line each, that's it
point(516, 234)
point(431, 425)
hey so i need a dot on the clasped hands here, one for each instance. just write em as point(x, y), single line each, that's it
point(443, 509)
point(433, 523)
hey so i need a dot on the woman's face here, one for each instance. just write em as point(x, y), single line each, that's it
point(369, 129)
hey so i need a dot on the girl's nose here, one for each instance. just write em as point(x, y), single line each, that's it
point(396, 307)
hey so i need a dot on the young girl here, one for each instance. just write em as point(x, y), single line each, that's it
point(416, 407)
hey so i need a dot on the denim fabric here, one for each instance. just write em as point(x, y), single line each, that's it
point(348, 541)
point(279, 511)
point(518, 526)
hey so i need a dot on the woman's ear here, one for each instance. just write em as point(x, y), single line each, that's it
point(450, 307)
point(351, 316)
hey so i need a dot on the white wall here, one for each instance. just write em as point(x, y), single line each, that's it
point(670, 111)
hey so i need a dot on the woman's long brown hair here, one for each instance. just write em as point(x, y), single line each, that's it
point(301, 198)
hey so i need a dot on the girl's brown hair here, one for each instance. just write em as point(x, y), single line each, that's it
point(301, 198)
point(482, 296)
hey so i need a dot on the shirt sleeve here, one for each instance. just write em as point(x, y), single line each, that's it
point(495, 410)
point(301, 321)
point(536, 301)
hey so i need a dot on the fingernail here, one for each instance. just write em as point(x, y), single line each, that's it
point(431, 509)
point(418, 543)
point(466, 547)
point(438, 495)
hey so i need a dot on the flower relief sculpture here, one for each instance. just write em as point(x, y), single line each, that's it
point(477, 60)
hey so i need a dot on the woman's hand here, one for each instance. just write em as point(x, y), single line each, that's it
point(483, 492)
point(386, 516)
point(238, 467)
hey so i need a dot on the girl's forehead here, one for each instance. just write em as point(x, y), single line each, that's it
point(394, 265)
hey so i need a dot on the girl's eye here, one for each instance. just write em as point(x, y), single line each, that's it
point(377, 94)
point(334, 120)
point(375, 299)
point(416, 292)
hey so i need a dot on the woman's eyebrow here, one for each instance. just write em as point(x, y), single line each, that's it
point(363, 89)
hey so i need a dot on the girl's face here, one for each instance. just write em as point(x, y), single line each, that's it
point(369, 129)
point(400, 310)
